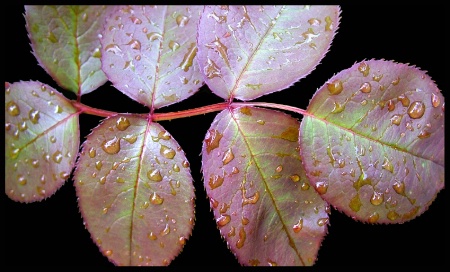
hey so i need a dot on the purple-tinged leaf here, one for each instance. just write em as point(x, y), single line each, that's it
point(41, 140)
point(65, 42)
point(373, 141)
point(263, 204)
point(135, 191)
point(148, 53)
point(249, 51)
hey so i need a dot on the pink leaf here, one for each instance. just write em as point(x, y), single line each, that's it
point(135, 191)
point(149, 53)
point(249, 51)
point(41, 140)
point(373, 141)
point(263, 204)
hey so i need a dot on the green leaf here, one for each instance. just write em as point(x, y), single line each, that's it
point(135, 191)
point(373, 141)
point(65, 42)
point(249, 51)
point(149, 53)
point(262, 201)
point(41, 140)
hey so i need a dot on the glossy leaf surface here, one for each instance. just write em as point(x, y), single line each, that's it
point(41, 140)
point(149, 53)
point(249, 51)
point(135, 191)
point(263, 204)
point(65, 42)
point(373, 145)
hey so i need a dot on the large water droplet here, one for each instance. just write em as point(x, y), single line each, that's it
point(212, 139)
point(321, 187)
point(364, 68)
point(298, 226)
point(373, 218)
point(242, 237)
point(122, 123)
point(167, 152)
point(335, 87)
point(34, 116)
point(13, 108)
point(365, 87)
point(399, 187)
point(416, 109)
point(111, 146)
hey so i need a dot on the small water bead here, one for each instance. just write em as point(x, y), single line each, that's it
point(23, 126)
point(102, 180)
point(321, 187)
point(396, 119)
point(223, 220)
point(98, 165)
point(182, 20)
point(392, 215)
point(176, 168)
point(215, 181)
point(21, 180)
point(13, 108)
point(416, 110)
point(377, 78)
point(404, 100)
point(64, 175)
point(424, 134)
point(57, 156)
point(322, 221)
point(387, 165)
point(365, 87)
point(391, 105)
point(58, 109)
point(167, 152)
point(35, 163)
point(335, 87)
point(111, 146)
point(173, 45)
point(92, 152)
point(298, 226)
point(242, 238)
point(373, 218)
point(130, 138)
point(377, 198)
point(435, 100)
point(399, 187)
point(120, 180)
point(122, 123)
point(364, 68)
point(228, 156)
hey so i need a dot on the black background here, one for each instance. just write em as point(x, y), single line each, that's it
point(51, 232)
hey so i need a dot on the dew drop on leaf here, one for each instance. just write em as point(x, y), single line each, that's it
point(365, 87)
point(416, 110)
point(92, 152)
point(335, 87)
point(154, 175)
point(223, 220)
point(57, 156)
point(298, 226)
point(34, 116)
point(377, 198)
point(122, 123)
point(167, 152)
point(111, 146)
point(228, 156)
point(156, 199)
point(13, 108)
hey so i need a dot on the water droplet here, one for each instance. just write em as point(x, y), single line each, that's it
point(92, 152)
point(111, 146)
point(174, 45)
point(108, 252)
point(298, 227)
point(13, 108)
point(424, 134)
point(404, 100)
point(34, 116)
point(211, 69)
point(35, 163)
point(396, 119)
point(52, 139)
point(392, 215)
point(377, 78)
point(335, 87)
point(435, 100)
point(182, 20)
point(185, 164)
point(130, 138)
point(355, 203)
point(390, 105)
point(189, 57)
point(156, 199)
point(250, 200)
point(102, 180)
point(322, 221)
point(215, 181)
point(135, 44)
point(365, 87)
point(242, 237)
point(227, 156)
point(388, 165)
point(338, 108)
point(23, 126)
point(135, 20)
point(122, 123)
point(373, 218)
point(377, 198)
point(40, 190)
point(364, 68)
point(182, 240)
point(64, 175)
point(154, 175)
point(57, 157)
point(416, 110)
point(152, 236)
point(98, 165)
point(212, 140)
point(321, 187)
point(120, 180)
point(295, 178)
point(113, 48)
point(21, 180)
point(223, 220)
point(399, 187)
point(167, 152)
point(164, 135)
